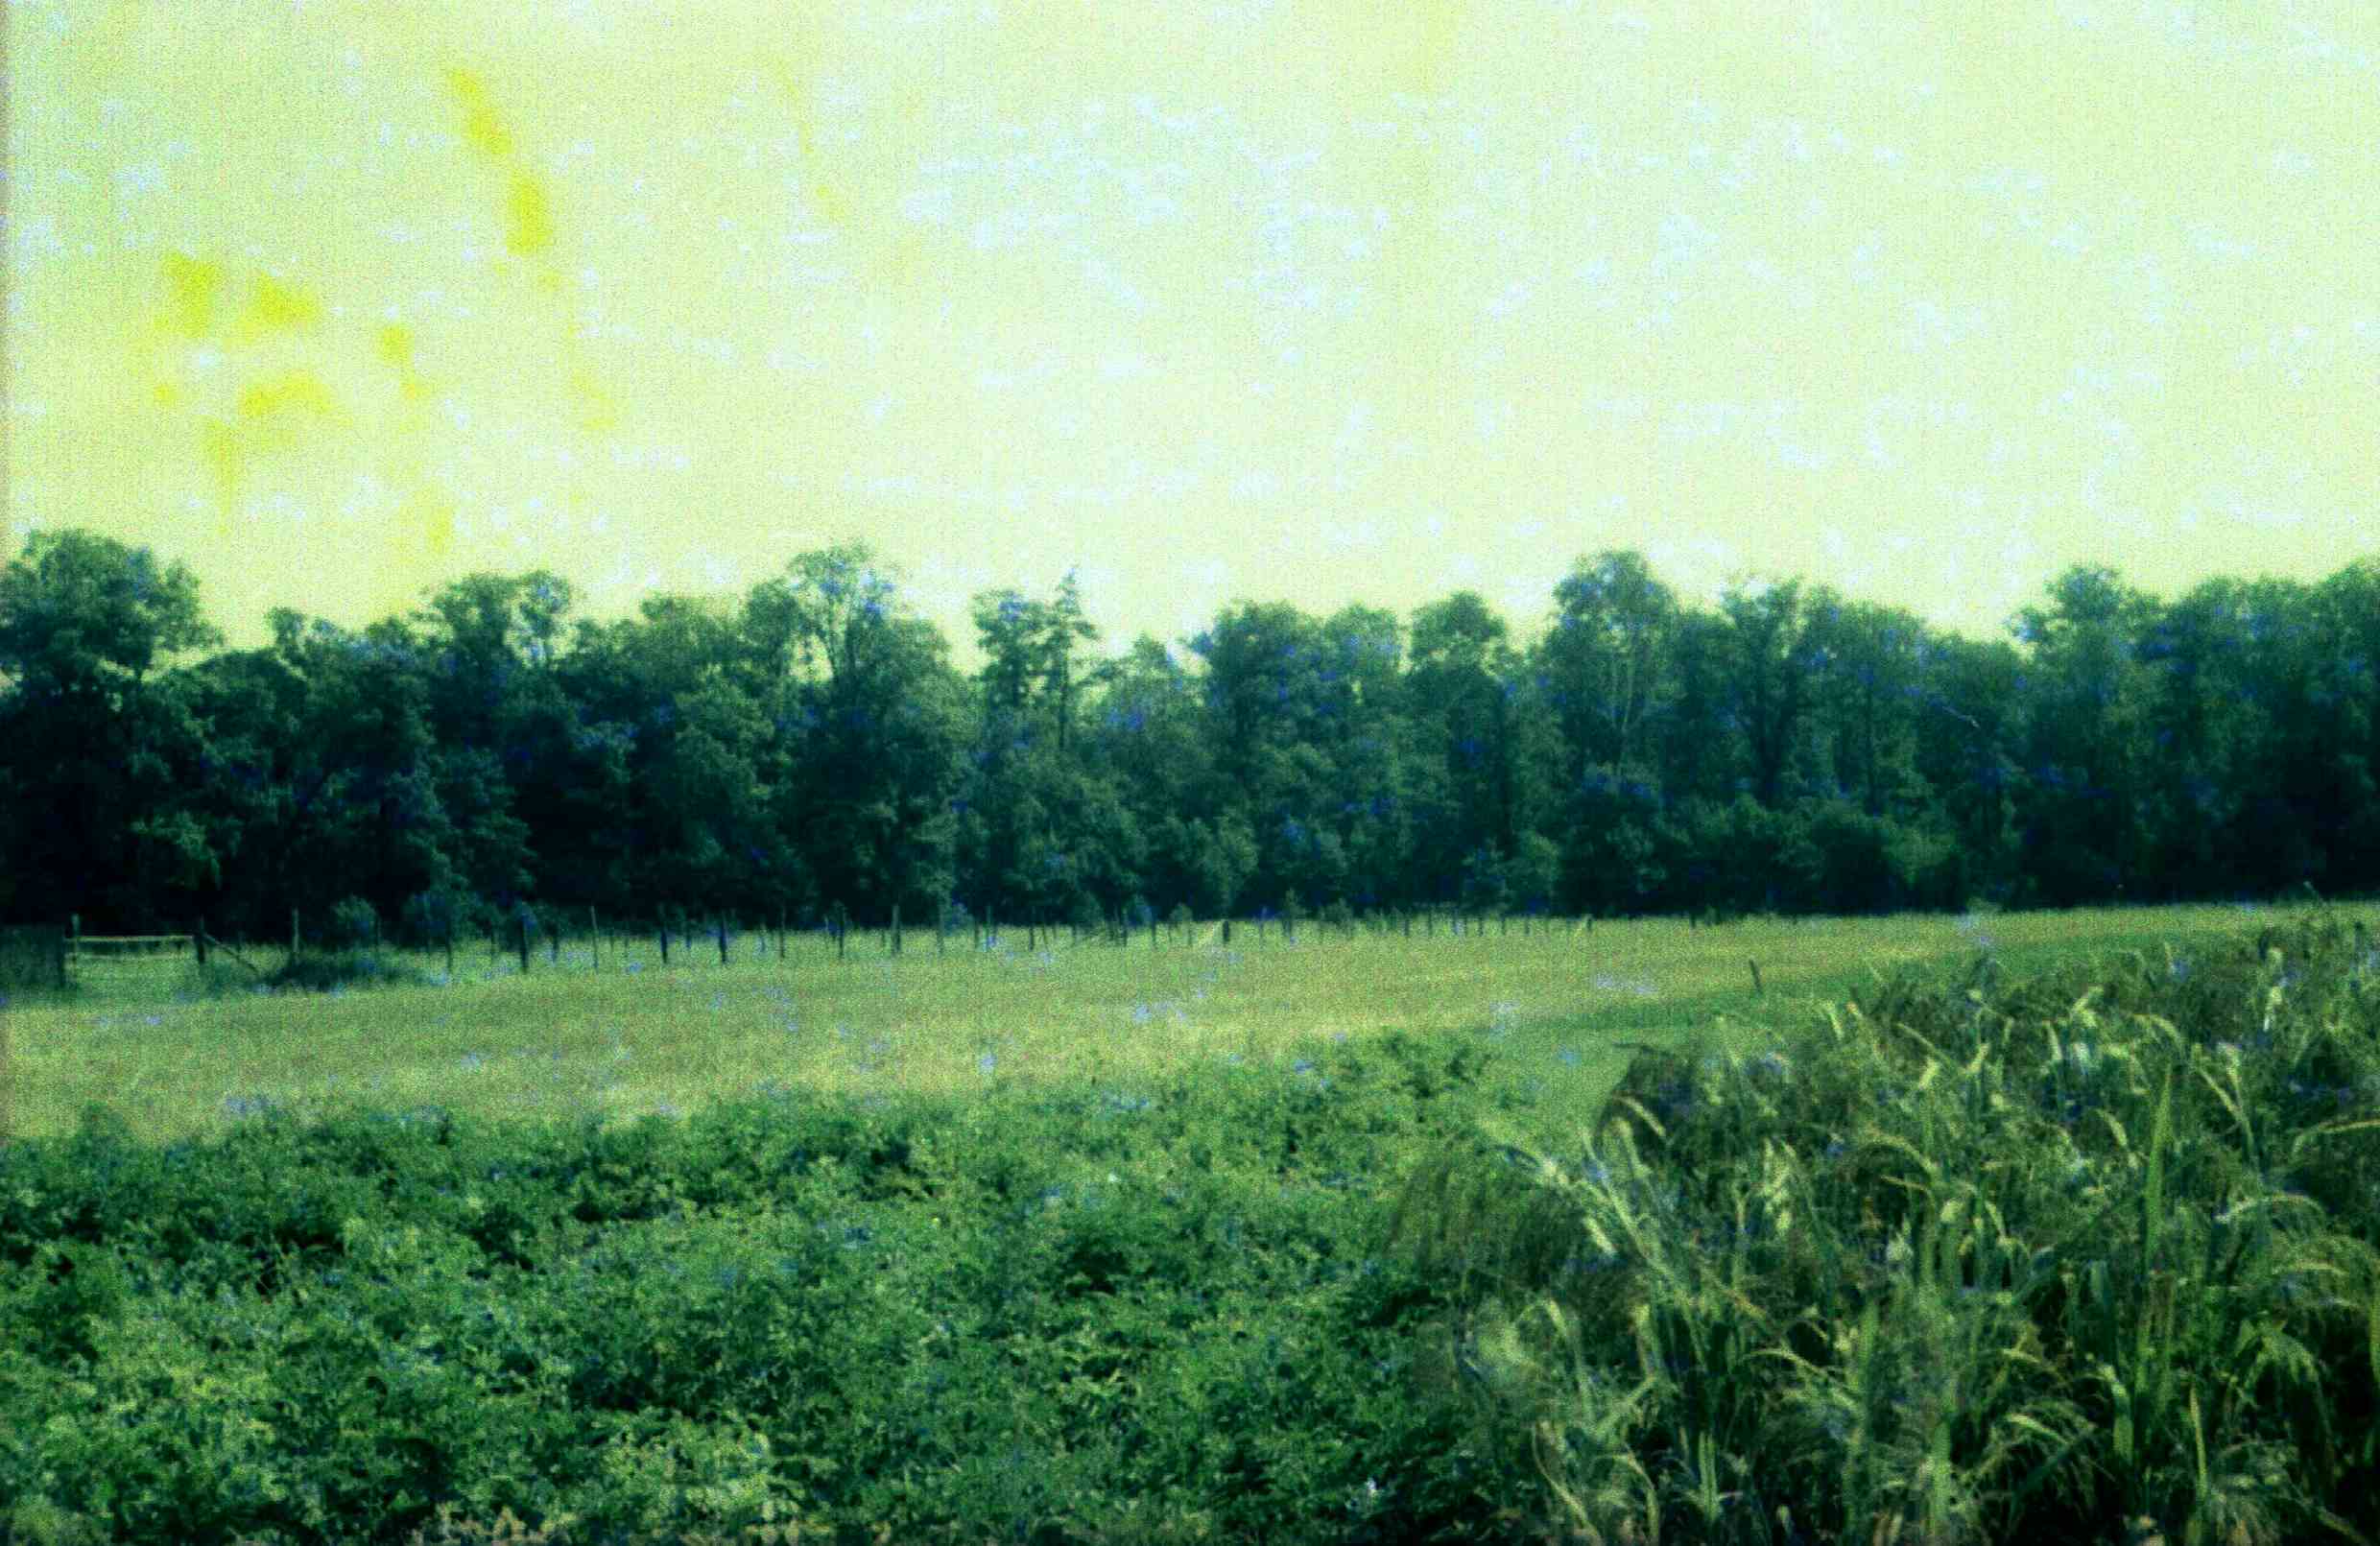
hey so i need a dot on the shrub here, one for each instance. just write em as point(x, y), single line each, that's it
point(355, 925)
point(433, 916)
point(343, 968)
point(29, 959)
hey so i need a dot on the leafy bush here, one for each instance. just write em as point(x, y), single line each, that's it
point(431, 918)
point(353, 925)
point(324, 971)
point(29, 959)
point(1103, 1313)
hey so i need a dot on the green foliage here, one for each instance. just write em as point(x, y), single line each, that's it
point(29, 959)
point(1959, 1261)
point(353, 925)
point(325, 971)
point(1097, 1314)
point(441, 913)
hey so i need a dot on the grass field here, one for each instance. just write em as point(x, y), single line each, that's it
point(633, 1037)
point(2081, 1247)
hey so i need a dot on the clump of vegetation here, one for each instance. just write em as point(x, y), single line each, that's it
point(2087, 1256)
point(1117, 1313)
point(323, 970)
point(29, 959)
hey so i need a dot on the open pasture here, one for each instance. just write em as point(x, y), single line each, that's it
point(1562, 1006)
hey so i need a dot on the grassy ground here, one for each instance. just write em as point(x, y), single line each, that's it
point(633, 1036)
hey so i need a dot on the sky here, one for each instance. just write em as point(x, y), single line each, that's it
point(1325, 302)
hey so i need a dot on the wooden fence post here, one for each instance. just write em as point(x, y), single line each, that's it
point(1227, 931)
point(665, 929)
point(780, 934)
point(896, 928)
point(720, 923)
point(843, 926)
point(198, 939)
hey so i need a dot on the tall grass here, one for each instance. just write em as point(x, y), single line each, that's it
point(2094, 1257)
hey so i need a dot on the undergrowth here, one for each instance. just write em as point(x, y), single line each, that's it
point(2091, 1257)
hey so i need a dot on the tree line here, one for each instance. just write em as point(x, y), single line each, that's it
point(810, 752)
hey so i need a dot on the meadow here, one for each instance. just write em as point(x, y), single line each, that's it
point(1565, 1005)
point(1965, 1229)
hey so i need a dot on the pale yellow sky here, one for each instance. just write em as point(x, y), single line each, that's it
point(1274, 300)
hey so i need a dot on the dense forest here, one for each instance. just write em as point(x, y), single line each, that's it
point(811, 749)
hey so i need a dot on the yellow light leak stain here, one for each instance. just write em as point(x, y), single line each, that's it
point(430, 519)
point(529, 226)
point(599, 411)
point(822, 195)
point(192, 286)
point(482, 128)
point(274, 307)
point(394, 345)
point(528, 217)
point(288, 394)
point(219, 448)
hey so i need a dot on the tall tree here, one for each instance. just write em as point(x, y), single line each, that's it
point(96, 746)
point(1604, 659)
point(882, 722)
point(2083, 806)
